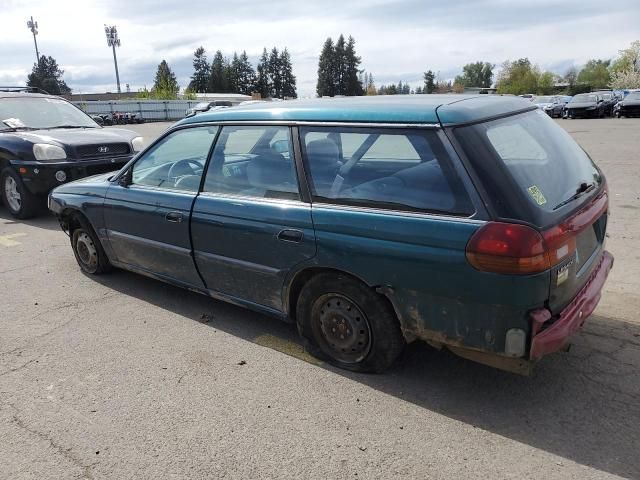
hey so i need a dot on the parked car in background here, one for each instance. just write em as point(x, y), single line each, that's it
point(629, 106)
point(357, 219)
point(46, 141)
point(609, 100)
point(585, 105)
point(552, 105)
point(206, 106)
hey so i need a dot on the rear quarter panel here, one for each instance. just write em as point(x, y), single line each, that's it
point(420, 264)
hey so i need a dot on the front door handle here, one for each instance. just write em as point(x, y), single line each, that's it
point(174, 217)
point(290, 235)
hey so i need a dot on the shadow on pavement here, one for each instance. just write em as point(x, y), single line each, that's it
point(582, 405)
point(44, 220)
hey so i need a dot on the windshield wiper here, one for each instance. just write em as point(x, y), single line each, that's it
point(66, 126)
point(15, 128)
point(582, 189)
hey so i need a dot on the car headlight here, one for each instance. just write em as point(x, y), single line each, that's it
point(137, 144)
point(45, 151)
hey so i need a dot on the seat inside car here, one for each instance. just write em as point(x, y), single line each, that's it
point(423, 186)
point(270, 172)
point(324, 163)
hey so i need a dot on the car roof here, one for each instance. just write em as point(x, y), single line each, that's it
point(399, 109)
point(4, 94)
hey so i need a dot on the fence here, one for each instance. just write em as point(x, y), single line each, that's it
point(150, 110)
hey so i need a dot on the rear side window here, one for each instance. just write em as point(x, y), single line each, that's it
point(383, 168)
point(531, 154)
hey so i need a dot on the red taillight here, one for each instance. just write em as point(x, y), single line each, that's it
point(520, 250)
point(508, 248)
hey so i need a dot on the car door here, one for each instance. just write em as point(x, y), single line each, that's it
point(249, 225)
point(147, 217)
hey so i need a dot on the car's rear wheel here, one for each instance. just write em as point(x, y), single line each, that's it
point(347, 324)
point(21, 202)
point(87, 249)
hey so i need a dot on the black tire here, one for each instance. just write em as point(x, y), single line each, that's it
point(20, 202)
point(345, 323)
point(88, 250)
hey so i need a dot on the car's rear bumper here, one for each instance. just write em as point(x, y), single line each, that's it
point(571, 318)
point(40, 177)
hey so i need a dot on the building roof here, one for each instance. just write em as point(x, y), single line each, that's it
point(421, 109)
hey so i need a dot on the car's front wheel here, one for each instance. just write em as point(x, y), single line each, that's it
point(88, 251)
point(21, 202)
point(347, 324)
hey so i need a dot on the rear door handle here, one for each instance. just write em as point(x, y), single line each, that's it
point(290, 235)
point(175, 217)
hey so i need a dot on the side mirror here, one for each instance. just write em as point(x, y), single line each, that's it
point(125, 180)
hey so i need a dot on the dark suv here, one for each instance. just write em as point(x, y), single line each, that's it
point(46, 141)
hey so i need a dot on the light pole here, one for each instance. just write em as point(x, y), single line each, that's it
point(33, 26)
point(113, 41)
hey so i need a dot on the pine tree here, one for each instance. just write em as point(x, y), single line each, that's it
point(274, 69)
point(326, 65)
point(418, 90)
point(340, 73)
point(219, 76)
point(263, 82)
point(200, 78)
point(233, 74)
point(246, 75)
point(429, 82)
point(353, 84)
point(287, 76)
point(47, 76)
point(165, 84)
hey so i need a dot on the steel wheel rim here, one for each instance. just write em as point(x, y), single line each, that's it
point(342, 328)
point(14, 199)
point(87, 252)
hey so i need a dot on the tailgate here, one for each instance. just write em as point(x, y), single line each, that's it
point(568, 277)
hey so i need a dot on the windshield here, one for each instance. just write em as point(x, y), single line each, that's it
point(41, 112)
point(546, 165)
point(633, 96)
point(584, 98)
point(545, 99)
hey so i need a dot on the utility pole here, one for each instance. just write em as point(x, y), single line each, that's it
point(33, 26)
point(113, 41)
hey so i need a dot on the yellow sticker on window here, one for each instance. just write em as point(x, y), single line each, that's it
point(537, 195)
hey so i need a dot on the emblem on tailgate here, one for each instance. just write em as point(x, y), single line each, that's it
point(563, 272)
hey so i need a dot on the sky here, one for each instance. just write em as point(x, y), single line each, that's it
point(398, 40)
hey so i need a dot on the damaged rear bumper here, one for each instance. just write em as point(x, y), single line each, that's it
point(571, 319)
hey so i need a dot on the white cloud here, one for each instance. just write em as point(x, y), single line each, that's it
point(397, 40)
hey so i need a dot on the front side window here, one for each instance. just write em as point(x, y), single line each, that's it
point(177, 161)
point(253, 161)
point(383, 168)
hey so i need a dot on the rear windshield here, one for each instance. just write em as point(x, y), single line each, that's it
point(531, 165)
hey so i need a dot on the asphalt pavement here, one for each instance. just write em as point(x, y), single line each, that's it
point(121, 376)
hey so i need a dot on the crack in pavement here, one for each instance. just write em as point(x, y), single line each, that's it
point(65, 452)
point(62, 325)
point(15, 369)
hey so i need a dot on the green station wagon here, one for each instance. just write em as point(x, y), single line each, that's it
point(473, 223)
